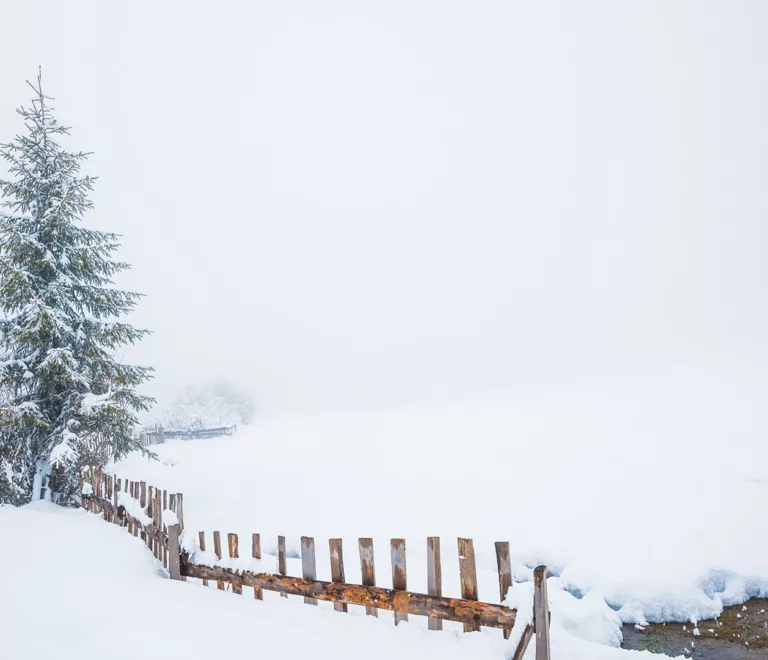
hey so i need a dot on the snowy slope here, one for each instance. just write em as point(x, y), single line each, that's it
point(83, 588)
point(647, 509)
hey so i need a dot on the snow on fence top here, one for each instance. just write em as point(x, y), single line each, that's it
point(158, 517)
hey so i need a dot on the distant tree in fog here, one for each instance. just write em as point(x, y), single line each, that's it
point(207, 407)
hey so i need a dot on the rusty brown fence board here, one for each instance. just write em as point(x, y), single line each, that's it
point(281, 560)
point(399, 576)
point(256, 553)
point(201, 538)
point(336, 548)
point(505, 573)
point(368, 569)
point(434, 576)
point(541, 612)
point(308, 564)
point(217, 552)
point(452, 609)
point(234, 553)
point(468, 575)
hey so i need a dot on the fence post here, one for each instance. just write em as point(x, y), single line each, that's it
point(281, 568)
point(434, 577)
point(129, 493)
point(468, 574)
point(143, 502)
point(337, 568)
point(118, 483)
point(201, 536)
point(151, 515)
point(541, 612)
point(399, 576)
point(174, 559)
point(256, 553)
point(505, 574)
point(165, 527)
point(180, 511)
point(234, 553)
point(158, 523)
point(110, 510)
point(217, 550)
point(368, 569)
point(308, 566)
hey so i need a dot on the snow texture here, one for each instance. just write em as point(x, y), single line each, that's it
point(169, 518)
point(45, 545)
point(611, 519)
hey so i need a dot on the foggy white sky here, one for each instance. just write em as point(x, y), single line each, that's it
point(351, 204)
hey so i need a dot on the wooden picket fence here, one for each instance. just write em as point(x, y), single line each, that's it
point(163, 541)
point(200, 434)
point(149, 437)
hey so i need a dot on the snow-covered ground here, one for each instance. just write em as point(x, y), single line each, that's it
point(76, 587)
point(647, 508)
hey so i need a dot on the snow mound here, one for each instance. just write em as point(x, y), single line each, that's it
point(45, 546)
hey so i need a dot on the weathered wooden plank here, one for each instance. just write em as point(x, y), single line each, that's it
point(281, 560)
point(150, 514)
point(505, 573)
point(174, 565)
point(135, 495)
point(118, 484)
point(451, 609)
point(468, 575)
point(337, 568)
point(112, 497)
point(399, 575)
point(158, 522)
point(234, 553)
point(143, 502)
point(180, 516)
point(129, 492)
point(258, 594)
point(201, 538)
point(541, 612)
point(434, 576)
point(368, 569)
point(165, 527)
point(217, 552)
point(308, 565)
point(525, 640)
point(180, 511)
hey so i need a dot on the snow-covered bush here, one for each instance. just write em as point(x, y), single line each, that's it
point(207, 407)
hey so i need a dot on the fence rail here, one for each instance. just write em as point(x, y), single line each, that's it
point(149, 437)
point(202, 433)
point(140, 509)
point(158, 435)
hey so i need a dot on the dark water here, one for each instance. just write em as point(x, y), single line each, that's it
point(739, 634)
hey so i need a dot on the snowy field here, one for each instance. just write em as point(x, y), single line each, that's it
point(82, 588)
point(646, 508)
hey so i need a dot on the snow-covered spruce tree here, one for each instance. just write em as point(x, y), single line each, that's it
point(65, 401)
